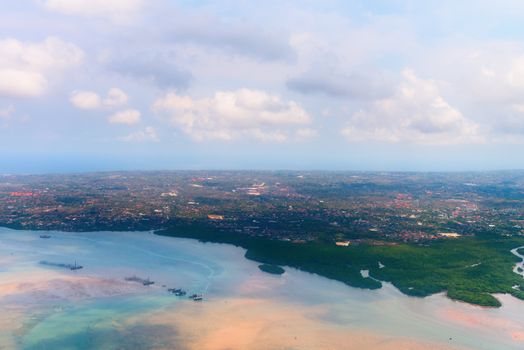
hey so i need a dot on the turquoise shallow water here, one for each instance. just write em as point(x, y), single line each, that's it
point(57, 316)
point(96, 325)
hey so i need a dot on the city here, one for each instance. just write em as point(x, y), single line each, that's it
point(377, 208)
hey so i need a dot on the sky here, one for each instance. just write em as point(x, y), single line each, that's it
point(90, 85)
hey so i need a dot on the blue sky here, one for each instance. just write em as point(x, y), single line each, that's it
point(346, 85)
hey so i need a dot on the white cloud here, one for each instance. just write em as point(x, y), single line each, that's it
point(118, 10)
point(128, 116)
point(115, 97)
point(148, 134)
point(415, 113)
point(26, 68)
point(85, 100)
point(486, 79)
point(7, 112)
point(519, 108)
point(231, 114)
point(50, 54)
point(269, 136)
point(20, 83)
point(91, 100)
point(305, 134)
point(490, 74)
point(510, 126)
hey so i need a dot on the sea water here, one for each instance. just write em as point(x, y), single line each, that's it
point(55, 314)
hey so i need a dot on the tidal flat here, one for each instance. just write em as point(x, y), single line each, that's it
point(48, 307)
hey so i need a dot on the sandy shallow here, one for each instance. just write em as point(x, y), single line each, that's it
point(27, 296)
point(217, 324)
point(40, 286)
point(259, 324)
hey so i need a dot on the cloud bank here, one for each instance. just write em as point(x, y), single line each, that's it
point(28, 68)
point(119, 10)
point(229, 115)
point(128, 116)
point(92, 100)
point(416, 113)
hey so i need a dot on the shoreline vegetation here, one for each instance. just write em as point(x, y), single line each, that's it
point(468, 269)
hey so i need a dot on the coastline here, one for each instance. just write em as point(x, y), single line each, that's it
point(330, 258)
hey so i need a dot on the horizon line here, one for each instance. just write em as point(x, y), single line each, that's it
point(267, 170)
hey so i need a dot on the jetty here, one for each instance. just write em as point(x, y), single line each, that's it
point(72, 267)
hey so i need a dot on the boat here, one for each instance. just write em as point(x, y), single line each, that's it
point(45, 236)
point(196, 297)
point(147, 282)
point(177, 291)
point(75, 267)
